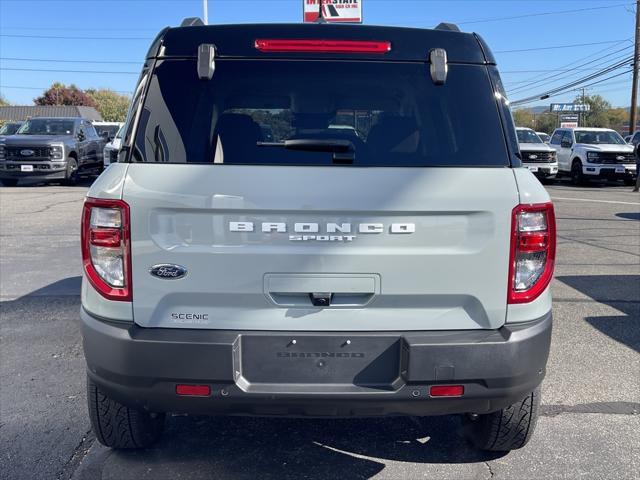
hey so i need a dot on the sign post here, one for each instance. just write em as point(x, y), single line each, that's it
point(569, 121)
point(333, 11)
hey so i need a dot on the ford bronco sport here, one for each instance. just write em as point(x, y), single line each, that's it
point(243, 257)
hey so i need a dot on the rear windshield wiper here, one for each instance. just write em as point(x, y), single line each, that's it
point(343, 150)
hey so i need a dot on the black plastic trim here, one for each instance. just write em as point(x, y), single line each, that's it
point(141, 366)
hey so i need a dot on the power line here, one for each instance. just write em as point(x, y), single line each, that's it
point(569, 87)
point(17, 87)
point(622, 61)
point(558, 76)
point(66, 71)
point(61, 37)
point(555, 47)
point(541, 14)
point(561, 70)
point(58, 60)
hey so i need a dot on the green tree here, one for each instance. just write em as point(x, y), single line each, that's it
point(111, 105)
point(523, 118)
point(60, 94)
point(3, 101)
point(617, 117)
point(598, 115)
point(546, 122)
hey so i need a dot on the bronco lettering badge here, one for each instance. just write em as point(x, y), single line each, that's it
point(333, 232)
point(168, 271)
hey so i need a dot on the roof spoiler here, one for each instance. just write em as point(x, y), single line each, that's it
point(448, 27)
point(192, 22)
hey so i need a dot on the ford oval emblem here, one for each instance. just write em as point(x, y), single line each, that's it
point(168, 271)
point(27, 153)
point(533, 157)
point(620, 157)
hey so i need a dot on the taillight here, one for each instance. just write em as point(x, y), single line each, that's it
point(533, 251)
point(106, 254)
point(322, 46)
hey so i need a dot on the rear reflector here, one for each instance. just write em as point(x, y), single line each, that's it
point(446, 391)
point(194, 390)
point(323, 46)
point(105, 237)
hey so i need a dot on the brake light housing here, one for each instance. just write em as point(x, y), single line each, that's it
point(533, 251)
point(106, 247)
point(267, 45)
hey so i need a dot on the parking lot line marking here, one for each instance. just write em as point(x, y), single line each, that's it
point(595, 201)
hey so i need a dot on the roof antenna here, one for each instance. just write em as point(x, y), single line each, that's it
point(321, 18)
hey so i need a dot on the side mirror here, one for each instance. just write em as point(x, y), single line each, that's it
point(81, 136)
point(104, 134)
point(565, 144)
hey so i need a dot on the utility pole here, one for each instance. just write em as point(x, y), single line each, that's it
point(205, 12)
point(581, 115)
point(634, 85)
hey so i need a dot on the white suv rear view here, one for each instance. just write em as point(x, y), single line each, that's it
point(244, 256)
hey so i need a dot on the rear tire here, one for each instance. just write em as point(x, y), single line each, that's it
point(71, 175)
point(118, 426)
point(507, 429)
point(10, 182)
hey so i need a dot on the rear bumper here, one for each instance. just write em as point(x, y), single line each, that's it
point(141, 367)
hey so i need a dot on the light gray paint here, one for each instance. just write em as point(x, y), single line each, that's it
point(109, 184)
point(531, 191)
point(451, 273)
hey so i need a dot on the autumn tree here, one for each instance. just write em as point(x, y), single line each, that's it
point(60, 94)
point(111, 105)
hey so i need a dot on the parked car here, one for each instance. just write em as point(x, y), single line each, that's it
point(314, 275)
point(107, 130)
point(10, 128)
point(537, 156)
point(634, 139)
point(51, 149)
point(627, 138)
point(545, 137)
point(593, 153)
point(111, 149)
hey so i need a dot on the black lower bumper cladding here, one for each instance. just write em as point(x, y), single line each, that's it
point(316, 373)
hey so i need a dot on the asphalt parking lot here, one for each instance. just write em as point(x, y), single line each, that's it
point(589, 428)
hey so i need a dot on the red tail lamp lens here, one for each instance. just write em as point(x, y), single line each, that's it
point(193, 390)
point(446, 391)
point(105, 237)
point(533, 251)
point(323, 46)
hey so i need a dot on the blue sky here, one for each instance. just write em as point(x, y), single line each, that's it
point(109, 31)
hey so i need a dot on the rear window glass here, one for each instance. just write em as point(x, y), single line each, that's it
point(288, 112)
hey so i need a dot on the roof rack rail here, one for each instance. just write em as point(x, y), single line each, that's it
point(450, 27)
point(192, 22)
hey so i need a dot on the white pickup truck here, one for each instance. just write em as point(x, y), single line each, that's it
point(537, 156)
point(589, 153)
